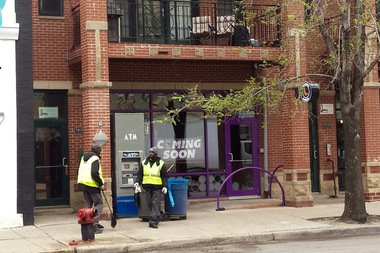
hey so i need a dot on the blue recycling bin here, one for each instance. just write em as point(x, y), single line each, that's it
point(176, 198)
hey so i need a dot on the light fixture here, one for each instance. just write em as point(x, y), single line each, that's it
point(2, 117)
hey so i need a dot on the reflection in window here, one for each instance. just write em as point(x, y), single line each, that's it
point(129, 101)
point(215, 144)
point(183, 143)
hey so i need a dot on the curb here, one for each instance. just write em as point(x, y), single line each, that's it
point(327, 233)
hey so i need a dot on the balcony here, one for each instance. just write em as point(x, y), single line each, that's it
point(223, 23)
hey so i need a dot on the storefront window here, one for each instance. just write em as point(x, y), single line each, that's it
point(183, 143)
point(129, 101)
point(215, 140)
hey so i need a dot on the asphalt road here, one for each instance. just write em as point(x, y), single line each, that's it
point(367, 244)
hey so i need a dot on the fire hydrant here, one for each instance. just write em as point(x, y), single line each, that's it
point(87, 220)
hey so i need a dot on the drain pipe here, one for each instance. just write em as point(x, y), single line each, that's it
point(266, 184)
point(256, 73)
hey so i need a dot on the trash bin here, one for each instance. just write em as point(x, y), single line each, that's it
point(176, 198)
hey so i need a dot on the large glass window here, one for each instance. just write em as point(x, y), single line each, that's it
point(192, 148)
point(52, 104)
point(50, 7)
point(129, 101)
point(182, 143)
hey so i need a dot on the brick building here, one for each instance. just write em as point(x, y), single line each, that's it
point(110, 68)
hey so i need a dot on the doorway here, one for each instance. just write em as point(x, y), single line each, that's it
point(313, 142)
point(51, 165)
point(51, 148)
point(242, 150)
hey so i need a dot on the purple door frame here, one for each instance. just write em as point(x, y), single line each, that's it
point(256, 190)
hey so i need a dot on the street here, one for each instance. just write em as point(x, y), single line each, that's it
point(368, 244)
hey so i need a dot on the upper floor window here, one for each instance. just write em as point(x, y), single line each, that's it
point(50, 7)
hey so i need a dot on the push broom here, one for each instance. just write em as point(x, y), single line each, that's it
point(113, 217)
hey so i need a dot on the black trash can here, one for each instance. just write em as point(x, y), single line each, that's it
point(176, 198)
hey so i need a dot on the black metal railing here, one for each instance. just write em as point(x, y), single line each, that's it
point(192, 22)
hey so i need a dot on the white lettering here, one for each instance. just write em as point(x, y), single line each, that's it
point(176, 144)
point(183, 154)
point(160, 144)
point(166, 154)
point(130, 137)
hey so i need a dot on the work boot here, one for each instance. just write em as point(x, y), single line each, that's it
point(100, 226)
point(153, 225)
point(97, 229)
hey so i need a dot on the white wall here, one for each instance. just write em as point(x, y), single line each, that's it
point(8, 128)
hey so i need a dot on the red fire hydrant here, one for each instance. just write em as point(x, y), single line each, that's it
point(87, 220)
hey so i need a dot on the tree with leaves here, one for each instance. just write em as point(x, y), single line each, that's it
point(349, 60)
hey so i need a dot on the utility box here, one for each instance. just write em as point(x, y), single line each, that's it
point(130, 136)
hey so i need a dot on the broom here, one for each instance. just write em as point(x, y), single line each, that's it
point(113, 217)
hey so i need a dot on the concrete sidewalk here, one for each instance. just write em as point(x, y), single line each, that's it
point(203, 226)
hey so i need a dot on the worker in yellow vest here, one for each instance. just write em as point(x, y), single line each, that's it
point(153, 177)
point(90, 181)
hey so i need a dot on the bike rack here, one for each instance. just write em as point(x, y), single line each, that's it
point(218, 208)
point(271, 179)
point(334, 174)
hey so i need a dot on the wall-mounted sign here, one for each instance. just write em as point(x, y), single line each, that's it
point(326, 125)
point(48, 112)
point(326, 109)
point(308, 92)
point(78, 130)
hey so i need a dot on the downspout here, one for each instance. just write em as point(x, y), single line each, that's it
point(257, 75)
point(266, 187)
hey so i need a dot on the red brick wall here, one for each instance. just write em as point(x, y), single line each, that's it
point(75, 138)
point(370, 145)
point(52, 39)
point(179, 71)
point(295, 133)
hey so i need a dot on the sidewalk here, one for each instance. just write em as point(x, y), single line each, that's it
point(203, 226)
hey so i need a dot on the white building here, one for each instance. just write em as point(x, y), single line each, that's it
point(8, 116)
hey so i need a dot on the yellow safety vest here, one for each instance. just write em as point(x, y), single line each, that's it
point(152, 174)
point(84, 175)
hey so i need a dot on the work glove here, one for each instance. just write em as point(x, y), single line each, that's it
point(137, 187)
point(164, 190)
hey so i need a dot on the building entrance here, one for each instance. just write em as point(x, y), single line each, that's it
point(242, 150)
point(51, 165)
point(51, 148)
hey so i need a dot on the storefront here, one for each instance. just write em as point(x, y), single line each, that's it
point(201, 150)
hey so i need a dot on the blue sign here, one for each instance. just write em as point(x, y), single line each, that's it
point(2, 4)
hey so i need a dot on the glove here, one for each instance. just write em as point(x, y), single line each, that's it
point(136, 185)
point(164, 190)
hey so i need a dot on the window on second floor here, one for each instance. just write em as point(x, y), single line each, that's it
point(50, 7)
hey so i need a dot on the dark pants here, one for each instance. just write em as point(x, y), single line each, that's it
point(153, 199)
point(94, 199)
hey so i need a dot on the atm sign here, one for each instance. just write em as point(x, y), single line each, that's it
point(131, 154)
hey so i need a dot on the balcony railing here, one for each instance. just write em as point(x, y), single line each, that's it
point(191, 22)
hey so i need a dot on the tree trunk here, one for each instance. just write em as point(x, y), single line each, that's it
point(354, 208)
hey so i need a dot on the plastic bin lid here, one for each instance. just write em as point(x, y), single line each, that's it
point(178, 180)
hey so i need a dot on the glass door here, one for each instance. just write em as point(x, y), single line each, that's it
point(51, 164)
point(242, 150)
